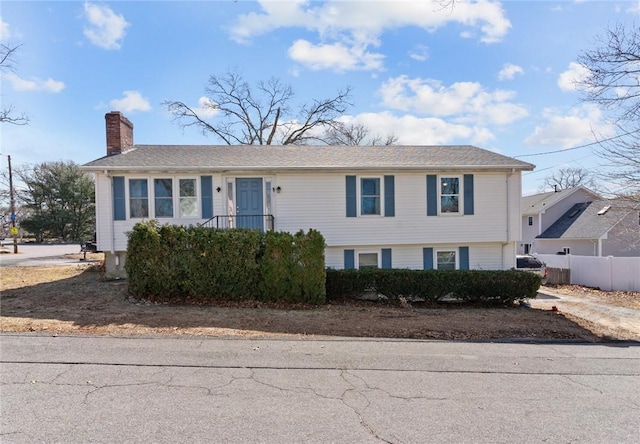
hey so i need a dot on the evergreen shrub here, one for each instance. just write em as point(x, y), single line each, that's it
point(171, 263)
point(482, 286)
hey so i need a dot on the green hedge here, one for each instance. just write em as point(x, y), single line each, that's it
point(484, 286)
point(176, 264)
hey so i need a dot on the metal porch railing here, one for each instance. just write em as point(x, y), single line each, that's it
point(263, 222)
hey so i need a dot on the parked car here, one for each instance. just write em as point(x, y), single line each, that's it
point(532, 264)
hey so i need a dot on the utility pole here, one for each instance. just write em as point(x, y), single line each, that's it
point(14, 229)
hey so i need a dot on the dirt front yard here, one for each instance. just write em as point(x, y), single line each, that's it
point(74, 299)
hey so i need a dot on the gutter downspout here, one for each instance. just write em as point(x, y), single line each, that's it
point(112, 228)
point(506, 241)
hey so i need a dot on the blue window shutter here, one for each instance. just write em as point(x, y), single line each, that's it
point(389, 196)
point(427, 258)
point(206, 186)
point(464, 258)
point(352, 207)
point(432, 195)
point(119, 199)
point(468, 193)
point(349, 260)
point(386, 258)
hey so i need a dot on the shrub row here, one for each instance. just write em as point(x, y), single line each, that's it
point(484, 286)
point(168, 263)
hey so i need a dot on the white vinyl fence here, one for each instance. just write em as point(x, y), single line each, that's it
point(607, 273)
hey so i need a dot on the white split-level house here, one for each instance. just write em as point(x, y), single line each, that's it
point(540, 211)
point(418, 207)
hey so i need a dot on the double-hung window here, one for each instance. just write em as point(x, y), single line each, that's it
point(370, 196)
point(163, 197)
point(138, 198)
point(188, 198)
point(449, 194)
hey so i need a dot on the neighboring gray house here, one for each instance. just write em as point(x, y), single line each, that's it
point(540, 211)
point(420, 207)
point(599, 228)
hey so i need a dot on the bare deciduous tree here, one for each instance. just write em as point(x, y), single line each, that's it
point(240, 114)
point(613, 83)
point(8, 113)
point(356, 134)
point(565, 178)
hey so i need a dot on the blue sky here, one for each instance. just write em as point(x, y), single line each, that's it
point(498, 75)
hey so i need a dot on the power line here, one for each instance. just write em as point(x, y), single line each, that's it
point(580, 146)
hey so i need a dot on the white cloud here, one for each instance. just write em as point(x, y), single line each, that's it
point(5, 34)
point(413, 130)
point(509, 71)
point(419, 53)
point(206, 108)
point(466, 102)
point(33, 84)
point(570, 79)
point(106, 29)
point(575, 128)
point(336, 56)
point(347, 29)
point(132, 101)
point(634, 8)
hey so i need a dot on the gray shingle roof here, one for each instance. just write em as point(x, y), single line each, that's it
point(539, 202)
point(583, 222)
point(309, 157)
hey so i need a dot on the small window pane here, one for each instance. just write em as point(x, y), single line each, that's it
point(446, 260)
point(450, 185)
point(368, 260)
point(187, 187)
point(188, 207)
point(369, 196)
point(163, 191)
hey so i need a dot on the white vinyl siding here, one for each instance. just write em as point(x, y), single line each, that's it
point(317, 200)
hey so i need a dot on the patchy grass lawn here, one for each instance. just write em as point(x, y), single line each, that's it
point(74, 299)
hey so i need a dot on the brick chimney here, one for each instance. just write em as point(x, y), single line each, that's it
point(119, 132)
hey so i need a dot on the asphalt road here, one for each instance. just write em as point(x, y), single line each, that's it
point(159, 389)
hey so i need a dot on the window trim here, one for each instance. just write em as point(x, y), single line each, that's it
point(151, 197)
point(359, 195)
point(446, 250)
point(460, 194)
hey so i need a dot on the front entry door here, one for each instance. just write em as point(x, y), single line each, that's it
point(249, 207)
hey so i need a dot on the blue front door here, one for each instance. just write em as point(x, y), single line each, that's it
point(249, 208)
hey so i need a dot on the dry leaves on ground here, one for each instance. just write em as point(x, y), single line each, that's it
point(75, 300)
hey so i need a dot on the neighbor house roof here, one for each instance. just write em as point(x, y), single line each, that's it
point(308, 157)
point(589, 220)
point(539, 202)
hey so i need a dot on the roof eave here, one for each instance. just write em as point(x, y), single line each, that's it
point(310, 168)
